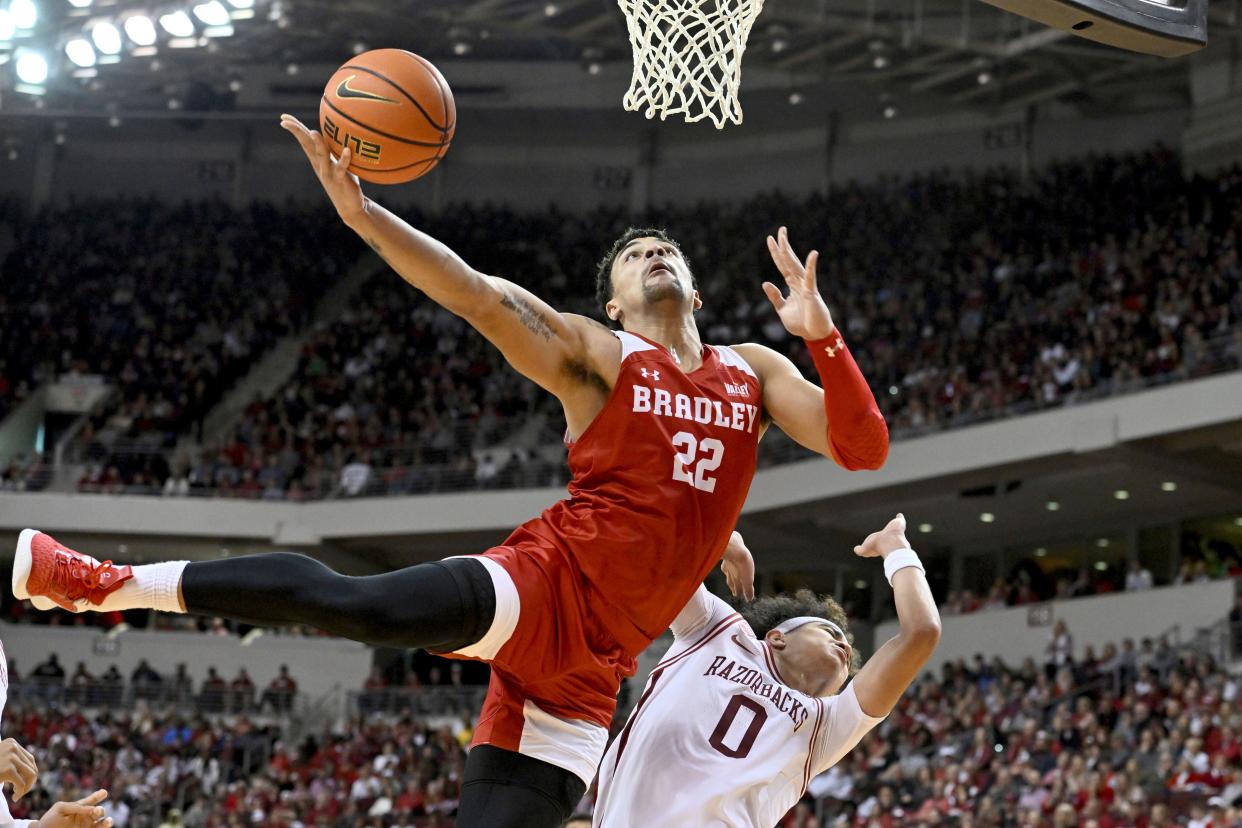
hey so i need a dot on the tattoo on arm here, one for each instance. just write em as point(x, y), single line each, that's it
point(528, 316)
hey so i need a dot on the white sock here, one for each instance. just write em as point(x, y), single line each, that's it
point(154, 586)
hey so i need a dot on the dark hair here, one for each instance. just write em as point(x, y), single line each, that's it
point(766, 613)
point(603, 272)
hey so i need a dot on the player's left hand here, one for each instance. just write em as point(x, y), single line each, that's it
point(889, 539)
point(85, 813)
point(333, 173)
point(738, 567)
point(803, 312)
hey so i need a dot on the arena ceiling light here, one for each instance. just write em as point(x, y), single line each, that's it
point(241, 9)
point(7, 29)
point(212, 13)
point(177, 24)
point(31, 67)
point(25, 13)
point(140, 30)
point(81, 4)
point(80, 53)
point(107, 38)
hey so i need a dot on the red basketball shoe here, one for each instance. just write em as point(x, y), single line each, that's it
point(51, 575)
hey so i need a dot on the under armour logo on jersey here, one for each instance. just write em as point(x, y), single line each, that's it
point(832, 350)
point(654, 375)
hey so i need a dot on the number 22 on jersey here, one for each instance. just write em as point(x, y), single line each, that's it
point(695, 459)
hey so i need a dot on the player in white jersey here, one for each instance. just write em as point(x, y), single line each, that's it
point(745, 708)
point(18, 768)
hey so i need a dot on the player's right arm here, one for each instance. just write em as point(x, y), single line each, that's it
point(886, 675)
point(554, 350)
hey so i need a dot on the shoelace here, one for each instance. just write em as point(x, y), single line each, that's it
point(76, 576)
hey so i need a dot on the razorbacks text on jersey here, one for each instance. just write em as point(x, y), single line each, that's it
point(718, 738)
point(659, 479)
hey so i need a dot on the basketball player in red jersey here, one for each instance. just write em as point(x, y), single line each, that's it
point(662, 434)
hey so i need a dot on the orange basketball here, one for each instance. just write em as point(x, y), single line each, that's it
point(394, 110)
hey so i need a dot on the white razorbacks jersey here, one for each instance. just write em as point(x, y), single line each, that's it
point(717, 738)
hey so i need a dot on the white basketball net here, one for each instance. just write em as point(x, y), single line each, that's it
point(688, 57)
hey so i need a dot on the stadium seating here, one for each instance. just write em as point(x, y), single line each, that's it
point(1094, 277)
point(1077, 290)
point(170, 303)
point(1145, 740)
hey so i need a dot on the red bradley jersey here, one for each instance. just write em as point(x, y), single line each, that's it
point(659, 479)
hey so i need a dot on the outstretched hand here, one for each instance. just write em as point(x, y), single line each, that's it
point(739, 568)
point(803, 312)
point(338, 182)
point(85, 813)
point(889, 539)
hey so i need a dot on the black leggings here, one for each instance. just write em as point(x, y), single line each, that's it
point(503, 789)
point(440, 606)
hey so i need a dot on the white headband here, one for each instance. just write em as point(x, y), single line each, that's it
point(786, 627)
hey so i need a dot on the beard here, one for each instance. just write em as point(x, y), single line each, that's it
point(662, 290)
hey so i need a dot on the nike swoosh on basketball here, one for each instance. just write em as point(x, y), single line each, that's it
point(344, 90)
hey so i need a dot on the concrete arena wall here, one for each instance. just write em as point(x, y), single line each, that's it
point(529, 160)
point(1097, 621)
point(319, 665)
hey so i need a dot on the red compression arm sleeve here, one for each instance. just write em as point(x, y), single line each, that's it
point(857, 433)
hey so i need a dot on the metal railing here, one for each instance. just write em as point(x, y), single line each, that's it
point(165, 694)
point(437, 700)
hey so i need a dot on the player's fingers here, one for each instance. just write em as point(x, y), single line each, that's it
point(791, 257)
point(785, 262)
point(322, 152)
point(812, 260)
point(303, 136)
point(28, 775)
point(774, 295)
point(293, 125)
point(341, 165)
point(25, 769)
point(29, 763)
point(94, 799)
point(317, 152)
point(779, 257)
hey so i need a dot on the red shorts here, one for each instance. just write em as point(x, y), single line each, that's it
point(555, 672)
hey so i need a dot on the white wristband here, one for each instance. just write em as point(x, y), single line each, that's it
point(900, 559)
